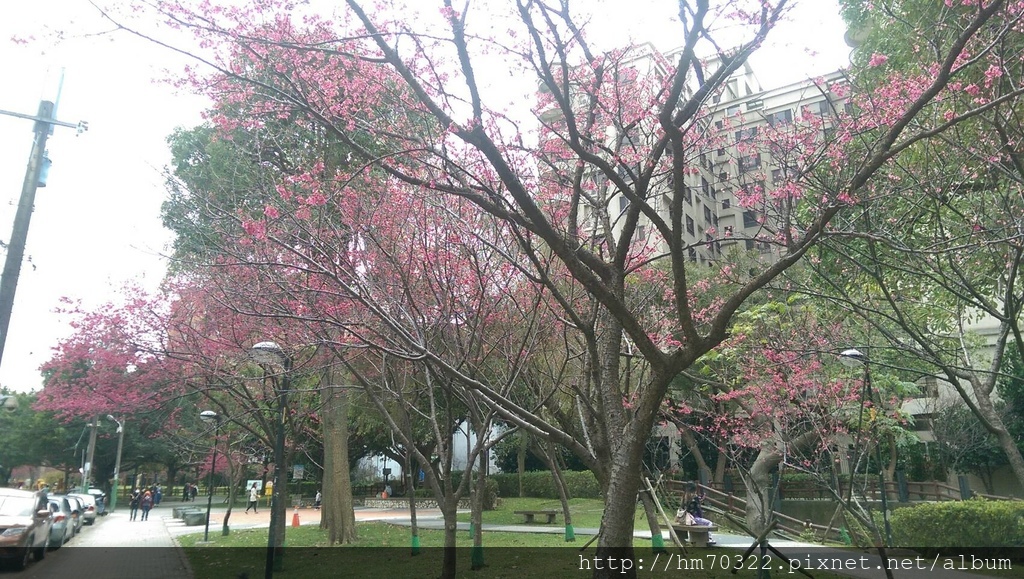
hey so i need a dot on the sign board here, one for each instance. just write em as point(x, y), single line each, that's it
point(298, 471)
point(249, 483)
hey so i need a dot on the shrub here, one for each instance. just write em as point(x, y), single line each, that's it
point(974, 523)
point(541, 484)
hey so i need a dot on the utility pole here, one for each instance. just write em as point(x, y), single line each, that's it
point(16, 245)
point(90, 455)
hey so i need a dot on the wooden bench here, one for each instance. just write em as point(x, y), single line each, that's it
point(530, 514)
point(699, 535)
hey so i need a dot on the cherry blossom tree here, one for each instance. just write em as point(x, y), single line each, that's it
point(405, 92)
point(932, 256)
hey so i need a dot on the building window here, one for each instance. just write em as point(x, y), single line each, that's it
point(749, 243)
point(748, 134)
point(707, 214)
point(687, 194)
point(623, 204)
point(780, 118)
point(820, 108)
point(749, 162)
point(689, 225)
point(726, 204)
point(750, 219)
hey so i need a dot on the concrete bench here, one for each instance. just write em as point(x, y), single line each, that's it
point(179, 512)
point(529, 515)
point(699, 535)
point(193, 518)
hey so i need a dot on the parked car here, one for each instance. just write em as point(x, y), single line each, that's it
point(101, 501)
point(63, 521)
point(88, 507)
point(77, 508)
point(25, 521)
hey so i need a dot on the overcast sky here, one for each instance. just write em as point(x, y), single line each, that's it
point(96, 224)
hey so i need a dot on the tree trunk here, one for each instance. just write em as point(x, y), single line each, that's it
point(760, 495)
point(551, 460)
point(657, 542)
point(615, 543)
point(524, 442)
point(410, 489)
point(995, 425)
point(449, 508)
point(477, 556)
point(337, 514)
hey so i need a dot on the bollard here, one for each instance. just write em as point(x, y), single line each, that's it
point(295, 518)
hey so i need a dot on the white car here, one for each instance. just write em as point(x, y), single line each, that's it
point(88, 507)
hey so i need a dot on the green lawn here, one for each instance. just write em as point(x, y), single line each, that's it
point(384, 550)
point(584, 512)
point(506, 556)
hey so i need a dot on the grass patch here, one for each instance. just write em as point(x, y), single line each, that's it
point(383, 551)
point(584, 512)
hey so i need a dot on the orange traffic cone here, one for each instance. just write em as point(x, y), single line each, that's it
point(295, 518)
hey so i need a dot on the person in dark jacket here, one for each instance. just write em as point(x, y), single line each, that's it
point(133, 504)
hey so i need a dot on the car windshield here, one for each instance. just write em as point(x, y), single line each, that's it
point(17, 506)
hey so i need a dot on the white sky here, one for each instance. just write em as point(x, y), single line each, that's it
point(97, 224)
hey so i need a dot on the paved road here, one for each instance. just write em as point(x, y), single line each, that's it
point(116, 548)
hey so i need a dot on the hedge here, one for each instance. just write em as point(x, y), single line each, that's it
point(975, 523)
point(541, 484)
point(490, 491)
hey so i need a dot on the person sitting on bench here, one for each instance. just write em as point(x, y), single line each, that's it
point(692, 513)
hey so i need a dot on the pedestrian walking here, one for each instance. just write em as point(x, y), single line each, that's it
point(133, 504)
point(146, 503)
point(317, 500)
point(254, 497)
point(185, 494)
point(158, 496)
point(195, 490)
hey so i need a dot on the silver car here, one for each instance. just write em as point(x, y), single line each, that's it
point(77, 508)
point(88, 507)
point(63, 528)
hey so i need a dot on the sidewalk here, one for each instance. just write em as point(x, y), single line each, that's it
point(117, 548)
point(261, 519)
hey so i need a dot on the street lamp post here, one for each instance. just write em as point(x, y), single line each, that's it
point(117, 461)
point(272, 353)
point(210, 416)
point(853, 358)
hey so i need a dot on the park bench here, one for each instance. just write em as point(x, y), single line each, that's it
point(529, 515)
point(698, 535)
